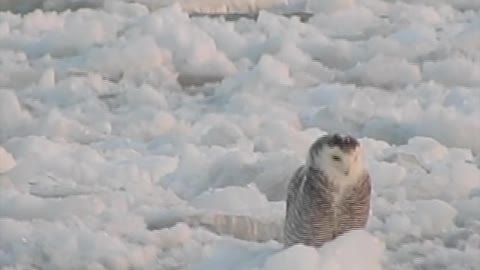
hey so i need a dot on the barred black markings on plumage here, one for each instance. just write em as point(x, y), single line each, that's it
point(326, 197)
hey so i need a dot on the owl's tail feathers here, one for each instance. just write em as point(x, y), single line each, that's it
point(238, 226)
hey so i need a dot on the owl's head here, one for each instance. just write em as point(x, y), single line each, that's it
point(338, 157)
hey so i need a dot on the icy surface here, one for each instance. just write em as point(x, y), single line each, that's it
point(7, 161)
point(201, 6)
point(117, 116)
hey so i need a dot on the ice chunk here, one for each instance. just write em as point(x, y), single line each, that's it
point(385, 174)
point(329, 6)
point(388, 72)
point(433, 216)
point(12, 114)
point(7, 161)
point(453, 71)
point(236, 200)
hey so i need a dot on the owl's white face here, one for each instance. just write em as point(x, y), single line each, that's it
point(342, 167)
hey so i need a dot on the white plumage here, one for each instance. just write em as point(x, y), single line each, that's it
point(329, 195)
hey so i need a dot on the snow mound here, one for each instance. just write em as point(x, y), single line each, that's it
point(363, 251)
point(299, 256)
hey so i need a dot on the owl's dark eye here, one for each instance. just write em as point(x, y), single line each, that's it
point(336, 158)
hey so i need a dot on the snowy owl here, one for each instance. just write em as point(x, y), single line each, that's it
point(329, 195)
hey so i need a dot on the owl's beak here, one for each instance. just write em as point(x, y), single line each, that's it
point(347, 172)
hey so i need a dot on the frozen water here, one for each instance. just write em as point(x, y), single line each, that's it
point(119, 120)
point(7, 161)
point(203, 6)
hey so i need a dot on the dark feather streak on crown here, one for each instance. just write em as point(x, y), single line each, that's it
point(346, 143)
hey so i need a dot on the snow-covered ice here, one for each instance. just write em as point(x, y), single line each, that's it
point(117, 116)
